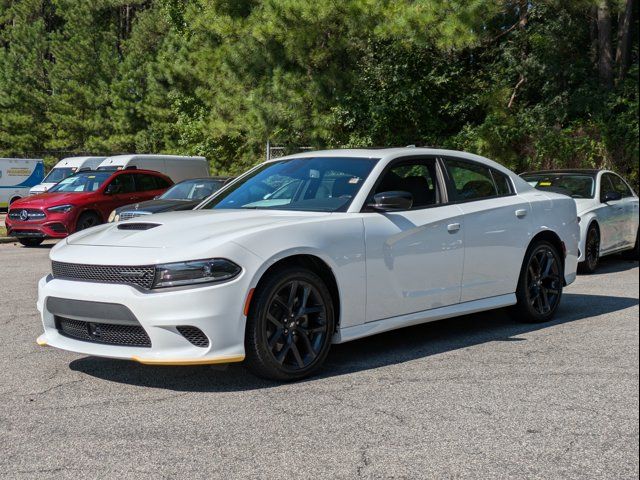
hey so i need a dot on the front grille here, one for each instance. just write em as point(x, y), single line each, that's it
point(194, 335)
point(131, 214)
point(26, 214)
point(107, 333)
point(141, 276)
point(27, 233)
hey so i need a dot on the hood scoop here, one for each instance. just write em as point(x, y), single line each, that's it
point(137, 226)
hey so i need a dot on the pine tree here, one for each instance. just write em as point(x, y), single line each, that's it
point(24, 82)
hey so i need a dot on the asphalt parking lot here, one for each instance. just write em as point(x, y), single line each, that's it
point(476, 397)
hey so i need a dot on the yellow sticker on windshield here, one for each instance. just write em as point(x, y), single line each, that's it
point(92, 176)
point(545, 184)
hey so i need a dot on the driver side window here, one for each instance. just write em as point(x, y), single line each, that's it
point(418, 177)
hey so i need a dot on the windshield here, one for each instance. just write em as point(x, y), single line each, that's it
point(58, 174)
point(575, 185)
point(192, 189)
point(82, 182)
point(320, 184)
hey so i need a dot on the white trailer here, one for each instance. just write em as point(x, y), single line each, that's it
point(65, 168)
point(17, 176)
point(176, 167)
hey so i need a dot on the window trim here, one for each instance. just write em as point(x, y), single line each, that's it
point(440, 183)
point(453, 190)
point(602, 194)
point(630, 192)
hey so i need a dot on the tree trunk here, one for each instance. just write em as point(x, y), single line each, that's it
point(523, 12)
point(624, 40)
point(605, 57)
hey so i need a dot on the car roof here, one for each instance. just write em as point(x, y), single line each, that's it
point(564, 171)
point(121, 172)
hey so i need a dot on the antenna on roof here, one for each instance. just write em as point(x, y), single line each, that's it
point(411, 146)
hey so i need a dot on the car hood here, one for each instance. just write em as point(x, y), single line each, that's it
point(160, 205)
point(43, 200)
point(188, 229)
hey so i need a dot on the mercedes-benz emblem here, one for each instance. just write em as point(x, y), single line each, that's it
point(24, 215)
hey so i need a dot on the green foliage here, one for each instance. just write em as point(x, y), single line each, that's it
point(514, 80)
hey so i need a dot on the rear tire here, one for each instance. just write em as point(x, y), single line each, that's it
point(31, 242)
point(592, 251)
point(87, 220)
point(634, 253)
point(290, 325)
point(540, 284)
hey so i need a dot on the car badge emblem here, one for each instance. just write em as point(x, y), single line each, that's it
point(24, 215)
point(95, 330)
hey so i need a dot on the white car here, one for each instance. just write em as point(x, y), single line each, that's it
point(368, 241)
point(607, 207)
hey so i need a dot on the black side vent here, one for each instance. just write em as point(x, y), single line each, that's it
point(137, 226)
point(194, 335)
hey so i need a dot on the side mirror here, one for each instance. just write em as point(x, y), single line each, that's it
point(112, 189)
point(611, 197)
point(391, 201)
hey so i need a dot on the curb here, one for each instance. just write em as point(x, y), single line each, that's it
point(8, 240)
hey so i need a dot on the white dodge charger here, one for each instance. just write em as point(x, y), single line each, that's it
point(608, 209)
point(309, 250)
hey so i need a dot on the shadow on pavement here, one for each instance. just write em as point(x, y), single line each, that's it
point(613, 264)
point(389, 348)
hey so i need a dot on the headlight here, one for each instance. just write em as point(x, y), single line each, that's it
point(60, 209)
point(113, 217)
point(194, 272)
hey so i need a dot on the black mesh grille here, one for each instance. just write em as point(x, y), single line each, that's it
point(194, 335)
point(141, 276)
point(107, 333)
point(137, 226)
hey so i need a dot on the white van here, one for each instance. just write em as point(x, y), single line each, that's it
point(65, 168)
point(17, 176)
point(177, 168)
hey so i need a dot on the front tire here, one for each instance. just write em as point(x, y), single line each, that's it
point(540, 284)
point(290, 325)
point(30, 242)
point(87, 220)
point(592, 251)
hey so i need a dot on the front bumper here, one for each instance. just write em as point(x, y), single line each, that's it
point(217, 310)
point(48, 228)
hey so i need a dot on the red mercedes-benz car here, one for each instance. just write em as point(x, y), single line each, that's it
point(80, 201)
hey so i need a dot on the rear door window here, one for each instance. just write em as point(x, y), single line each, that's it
point(470, 180)
point(145, 183)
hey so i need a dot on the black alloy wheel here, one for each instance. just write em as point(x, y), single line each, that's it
point(290, 326)
point(87, 220)
point(544, 285)
point(540, 285)
point(591, 251)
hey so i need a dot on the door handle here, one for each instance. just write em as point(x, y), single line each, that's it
point(521, 213)
point(453, 227)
